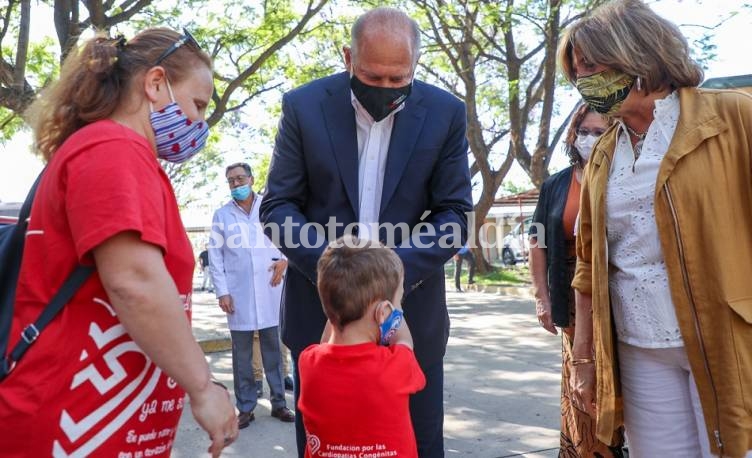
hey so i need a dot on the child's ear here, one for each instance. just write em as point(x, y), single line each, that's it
point(382, 311)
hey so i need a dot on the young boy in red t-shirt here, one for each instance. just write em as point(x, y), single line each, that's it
point(355, 385)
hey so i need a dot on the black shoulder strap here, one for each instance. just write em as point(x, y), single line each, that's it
point(64, 294)
point(10, 258)
point(23, 216)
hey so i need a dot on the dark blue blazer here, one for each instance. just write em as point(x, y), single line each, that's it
point(313, 177)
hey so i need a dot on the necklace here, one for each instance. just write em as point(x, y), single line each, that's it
point(634, 133)
point(638, 145)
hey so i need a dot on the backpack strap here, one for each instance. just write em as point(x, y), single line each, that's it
point(10, 256)
point(64, 294)
point(31, 332)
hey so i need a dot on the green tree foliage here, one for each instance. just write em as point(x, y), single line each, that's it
point(251, 43)
point(499, 57)
point(253, 62)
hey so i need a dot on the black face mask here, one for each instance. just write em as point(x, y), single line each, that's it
point(379, 101)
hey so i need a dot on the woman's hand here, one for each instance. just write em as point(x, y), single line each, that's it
point(148, 305)
point(543, 312)
point(582, 386)
point(538, 273)
point(213, 410)
point(582, 378)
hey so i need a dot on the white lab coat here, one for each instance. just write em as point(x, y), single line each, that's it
point(239, 259)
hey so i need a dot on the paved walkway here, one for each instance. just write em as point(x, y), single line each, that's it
point(501, 395)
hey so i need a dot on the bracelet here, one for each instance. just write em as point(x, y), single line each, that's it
point(218, 383)
point(579, 361)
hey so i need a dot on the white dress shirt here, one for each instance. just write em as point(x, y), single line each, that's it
point(373, 146)
point(643, 310)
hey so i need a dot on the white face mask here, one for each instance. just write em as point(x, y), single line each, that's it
point(584, 145)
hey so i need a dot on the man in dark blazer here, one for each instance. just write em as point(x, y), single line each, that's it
point(373, 145)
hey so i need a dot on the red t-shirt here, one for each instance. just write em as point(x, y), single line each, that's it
point(355, 400)
point(84, 388)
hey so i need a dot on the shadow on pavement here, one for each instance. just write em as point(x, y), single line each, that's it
point(501, 394)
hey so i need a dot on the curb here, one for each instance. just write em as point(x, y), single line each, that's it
point(502, 290)
point(215, 345)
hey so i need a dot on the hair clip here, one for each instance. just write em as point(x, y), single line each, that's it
point(120, 42)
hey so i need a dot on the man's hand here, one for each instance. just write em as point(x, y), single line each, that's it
point(543, 311)
point(226, 304)
point(278, 267)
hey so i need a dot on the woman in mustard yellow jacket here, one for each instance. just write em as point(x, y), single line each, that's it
point(664, 269)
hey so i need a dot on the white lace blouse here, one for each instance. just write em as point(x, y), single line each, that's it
point(640, 298)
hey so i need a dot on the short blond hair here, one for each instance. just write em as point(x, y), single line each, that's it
point(627, 35)
point(353, 274)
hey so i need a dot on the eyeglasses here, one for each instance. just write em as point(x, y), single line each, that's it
point(586, 132)
point(240, 179)
point(183, 39)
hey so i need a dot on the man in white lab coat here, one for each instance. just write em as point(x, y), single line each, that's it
point(247, 272)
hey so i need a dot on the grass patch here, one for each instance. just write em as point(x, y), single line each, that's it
point(504, 275)
point(500, 275)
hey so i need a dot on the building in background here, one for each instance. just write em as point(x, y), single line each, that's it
point(504, 234)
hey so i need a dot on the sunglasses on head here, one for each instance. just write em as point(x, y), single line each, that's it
point(186, 37)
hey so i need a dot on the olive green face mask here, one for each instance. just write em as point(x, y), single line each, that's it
point(605, 91)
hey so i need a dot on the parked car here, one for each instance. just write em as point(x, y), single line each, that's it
point(742, 82)
point(9, 212)
point(515, 244)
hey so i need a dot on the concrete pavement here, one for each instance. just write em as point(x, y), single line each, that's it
point(501, 394)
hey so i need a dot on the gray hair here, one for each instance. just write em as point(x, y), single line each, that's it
point(244, 165)
point(627, 35)
point(388, 19)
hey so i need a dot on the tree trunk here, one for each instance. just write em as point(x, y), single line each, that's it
point(481, 209)
point(96, 14)
point(19, 72)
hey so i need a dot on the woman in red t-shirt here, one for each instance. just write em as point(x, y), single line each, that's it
point(106, 377)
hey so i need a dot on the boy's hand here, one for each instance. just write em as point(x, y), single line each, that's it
point(403, 335)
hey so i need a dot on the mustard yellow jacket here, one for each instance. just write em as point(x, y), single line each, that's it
point(703, 212)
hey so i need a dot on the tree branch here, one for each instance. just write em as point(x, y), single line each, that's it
point(474, 169)
point(221, 104)
point(96, 14)
point(7, 121)
point(251, 97)
point(560, 131)
point(497, 138)
point(6, 21)
point(19, 73)
point(449, 85)
point(127, 13)
point(16, 101)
